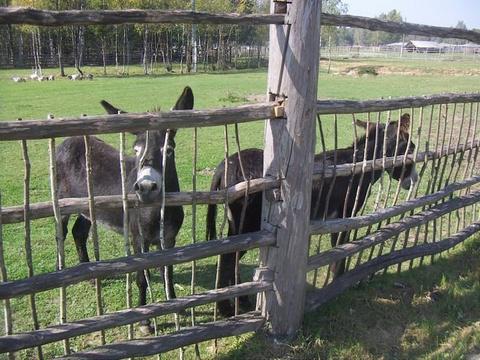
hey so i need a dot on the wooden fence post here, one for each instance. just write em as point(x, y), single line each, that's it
point(289, 152)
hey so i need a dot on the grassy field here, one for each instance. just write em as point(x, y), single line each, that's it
point(378, 321)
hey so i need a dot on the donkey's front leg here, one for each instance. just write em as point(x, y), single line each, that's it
point(141, 280)
point(338, 268)
point(168, 242)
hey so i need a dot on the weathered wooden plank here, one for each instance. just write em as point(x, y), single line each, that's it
point(325, 107)
point(131, 122)
point(40, 129)
point(129, 264)
point(22, 15)
point(18, 15)
point(348, 169)
point(316, 298)
point(54, 333)
point(400, 27)
point(343, 251)
point(154, 345)
point(357, 222)
point(14, 214)
point(289, 152)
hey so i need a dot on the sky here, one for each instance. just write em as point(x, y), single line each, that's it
point(428, 12)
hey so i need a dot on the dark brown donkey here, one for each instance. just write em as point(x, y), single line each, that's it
point(146, 176)
point(338, 205)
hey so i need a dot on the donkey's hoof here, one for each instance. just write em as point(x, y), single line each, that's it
point(146, 329)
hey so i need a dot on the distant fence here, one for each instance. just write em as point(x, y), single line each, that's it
point(398, 53)
point(289, 166)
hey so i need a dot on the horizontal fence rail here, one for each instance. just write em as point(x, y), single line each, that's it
point(129, 264)
point(19, 15)
point(59, 332)
point(317, 297)
point(238, 325)
point(331, 171)
point(399, 27)
point(325, 107)
point(104, 124)
point(345, 250)
point(68, 206)
point(338, 225)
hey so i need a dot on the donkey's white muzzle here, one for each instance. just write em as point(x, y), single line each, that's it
point(148, 184)
point(411, 179)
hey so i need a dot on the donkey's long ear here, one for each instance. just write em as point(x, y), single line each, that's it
point(405, 123)
point(110, 109)
point(361, 123)
point(185, 101)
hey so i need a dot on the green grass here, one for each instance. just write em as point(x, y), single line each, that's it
point(323, 334)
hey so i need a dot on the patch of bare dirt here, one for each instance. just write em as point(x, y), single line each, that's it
point(346, 68)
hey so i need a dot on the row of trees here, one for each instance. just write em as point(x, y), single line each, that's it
point(348, 36)
point(218, 46)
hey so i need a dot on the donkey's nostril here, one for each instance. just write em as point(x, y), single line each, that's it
point(145, 186)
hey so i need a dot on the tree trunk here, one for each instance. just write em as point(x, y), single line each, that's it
point(20, 49)
point(207, 50)
point(168, 51)
point(60, 52)
point(220, 52)
point(124, 49)
point(128, 50)
point(182, 46)
point(51, 48)
point(188, 53)
point(258, 55)
point(39, 51)
point(163, 45)
point(81, 46)
point(104, 55)
point(116, 48)
point(34, 52)
point(60, 44)
point(329, 53)
point(11, 46)
point(145, 49)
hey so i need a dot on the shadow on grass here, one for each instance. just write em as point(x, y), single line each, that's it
point(432, 311)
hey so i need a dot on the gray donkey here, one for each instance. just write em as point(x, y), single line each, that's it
point(146, 176)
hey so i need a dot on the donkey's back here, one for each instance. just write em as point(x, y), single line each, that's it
point(71, 168)
point(106, 175)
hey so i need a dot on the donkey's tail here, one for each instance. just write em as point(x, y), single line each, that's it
point(211, 231)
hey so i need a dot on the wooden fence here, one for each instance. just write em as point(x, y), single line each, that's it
point(287, 232)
